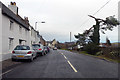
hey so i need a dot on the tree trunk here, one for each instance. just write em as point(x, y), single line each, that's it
point(96, 35)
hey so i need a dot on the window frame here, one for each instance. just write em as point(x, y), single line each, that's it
point(20, 28)
point(11, 25)
point(11, 42)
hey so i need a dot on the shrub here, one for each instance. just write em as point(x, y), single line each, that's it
point(99, 53)
point(111, 52)
point(91, 48)
point(114, 54)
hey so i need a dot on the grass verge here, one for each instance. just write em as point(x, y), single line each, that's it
point(100, 56)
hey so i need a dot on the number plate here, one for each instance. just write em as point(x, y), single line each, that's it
point(20, 56)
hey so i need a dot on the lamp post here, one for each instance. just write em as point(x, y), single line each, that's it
point(35, 25)
point(70, 36)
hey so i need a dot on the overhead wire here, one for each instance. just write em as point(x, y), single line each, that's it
point(95, 13)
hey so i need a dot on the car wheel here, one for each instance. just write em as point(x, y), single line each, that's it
point(13, 59)
point(31, 59)
point(42, 54)
point(35, 57)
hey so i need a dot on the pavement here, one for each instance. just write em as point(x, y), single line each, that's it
point(8, 64)
point(64, 64)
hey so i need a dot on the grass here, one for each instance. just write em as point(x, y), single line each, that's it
point(99, 56)
point(63, 49)
point(109, 59)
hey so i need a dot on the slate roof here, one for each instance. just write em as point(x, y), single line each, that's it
point(6, 11)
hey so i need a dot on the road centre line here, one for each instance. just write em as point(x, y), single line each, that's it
point(69, 63)
point(72, 66)
point(5, 72)
point(65, 57)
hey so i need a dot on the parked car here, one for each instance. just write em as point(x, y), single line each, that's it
point(23, 52)
point(70, 48)
point(45, 49)
point(55, 48)
point(48, 48)
point(39, 48)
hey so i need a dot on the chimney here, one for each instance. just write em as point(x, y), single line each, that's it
point(26, 20)
point(13, 7)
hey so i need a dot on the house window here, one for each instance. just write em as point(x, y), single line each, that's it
point(26, 32)
point(23, 30)
point(11, 25)
point(11, 43)
point(20, 29)
point(22, 42)
point(32, 32)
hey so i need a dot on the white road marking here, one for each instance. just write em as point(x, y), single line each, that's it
point(5, 72)
point(72, 66)
point(65, 57)
point(69, 63)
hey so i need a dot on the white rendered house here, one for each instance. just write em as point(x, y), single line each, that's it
point(14, 30)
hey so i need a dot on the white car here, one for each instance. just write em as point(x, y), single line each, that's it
point(55, 48)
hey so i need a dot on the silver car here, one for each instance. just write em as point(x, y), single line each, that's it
point(23, 52)
point(39, 48)
point(45, 49)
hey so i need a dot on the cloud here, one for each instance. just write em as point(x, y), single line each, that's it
point(64, 16)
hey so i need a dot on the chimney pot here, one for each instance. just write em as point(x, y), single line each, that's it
point(13, 7)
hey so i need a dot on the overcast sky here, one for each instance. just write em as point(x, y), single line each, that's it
point(65, 16)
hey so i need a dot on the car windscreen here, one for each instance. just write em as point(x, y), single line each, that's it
point(36, 46)
point(22, 48)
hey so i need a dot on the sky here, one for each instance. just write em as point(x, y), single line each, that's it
point(64, 16)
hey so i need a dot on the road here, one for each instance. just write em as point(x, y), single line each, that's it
point(64, 64)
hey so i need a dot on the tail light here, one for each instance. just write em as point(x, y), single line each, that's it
point(13, 51)
point(29, 52)
point(40, 49)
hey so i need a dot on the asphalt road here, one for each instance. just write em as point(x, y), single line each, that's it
point(64, 64)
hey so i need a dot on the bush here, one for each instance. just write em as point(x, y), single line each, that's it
point(91, 48)
point(111, 52)
point(99, 53)
point(114, 54)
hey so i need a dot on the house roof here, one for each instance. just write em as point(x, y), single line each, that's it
point(49, 42)
point(0, 4)
point(6, 11)
point(69, 42)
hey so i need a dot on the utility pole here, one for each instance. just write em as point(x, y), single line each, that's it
point(70, 36)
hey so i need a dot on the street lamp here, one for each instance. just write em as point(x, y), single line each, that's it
point(36, 24)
